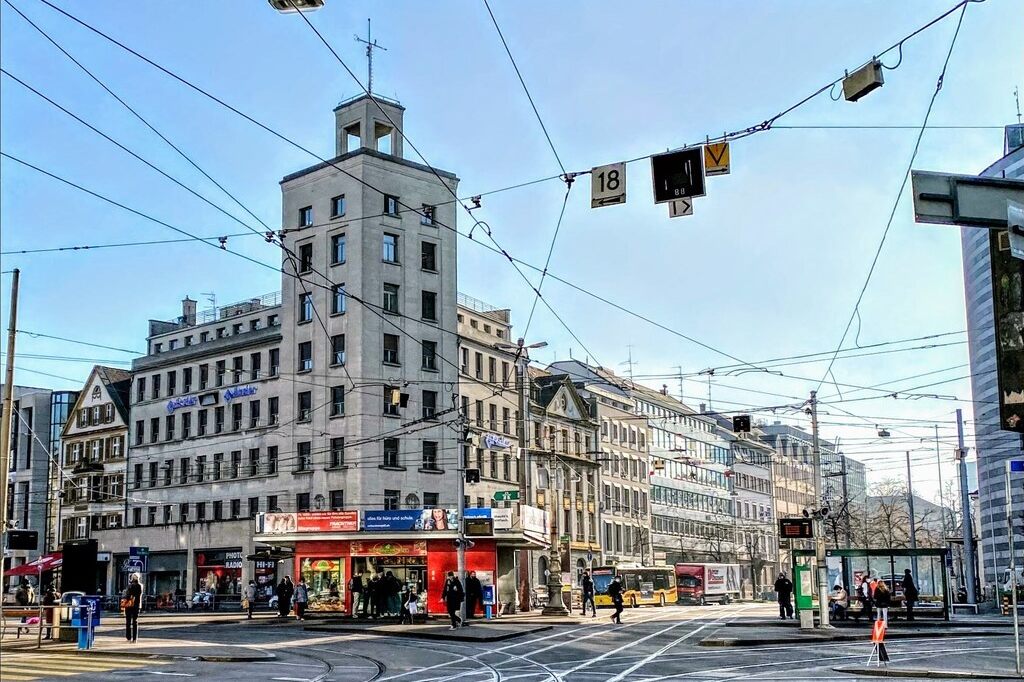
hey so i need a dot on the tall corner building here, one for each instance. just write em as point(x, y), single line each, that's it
point(992, 445)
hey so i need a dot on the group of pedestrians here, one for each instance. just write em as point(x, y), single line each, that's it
point(871, 593)
point(380, 596)
point(454, 594)
point(289, 594)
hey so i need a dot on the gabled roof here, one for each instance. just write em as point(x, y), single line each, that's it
point(118, 384)
point(549, 386)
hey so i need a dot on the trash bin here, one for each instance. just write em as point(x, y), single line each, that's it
point(85, 618)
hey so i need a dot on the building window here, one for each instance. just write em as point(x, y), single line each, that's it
point(184, 473)
point(254, 461)
point(390, 253)
point(305, 307)
point(169, 428)
point(302, 502)
point(236, 508)
point(464, 361)
point(236, 416)
point(427, 215)
point(218, 419)
point(305, 356)
point(337, 249)
point(391, 349)
point(391, 452)
point(140, 392)
point(254, 414)
point(254, 366)
point(337, 401)
point(479, 360)
point(305, 406)
point(306, 216)
point(430, 355)
point(236, 464)
point(338, 349)
point(337, 451)
point(338, 299)
point(156, 386)
point(305, 457)
point(201, 428)
point(390, 204)
point(428, 256)
point(275, 361)
point(492, 370)
point(272, 460)
point(172, 383)
point(338, 207)
point(429, 404)
point(392, 401)
point(430, 455)
point(391, 298)
point(236, 369)
point(154, 429)
point(153, 471)
point(186, 380)
point(391, 498)
point(272, 410)
point(140, 435)
point(204, 377)
point(218, 510)
point(428, 305)
point(221, 370)
point(305, 258)
point(430, 500)
point(337, 500)
point(200, 468)
point(254, 507)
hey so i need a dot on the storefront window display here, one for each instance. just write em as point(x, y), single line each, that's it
point(265, 575)
point(219, 572)
point(325, 580)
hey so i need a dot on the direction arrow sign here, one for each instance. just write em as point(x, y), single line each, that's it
point(716, 158)
point(608, 185)
point(677, 175)
point(680, 207)
point(506, 495)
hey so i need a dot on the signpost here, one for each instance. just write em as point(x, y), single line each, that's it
point(680, 207)
point(678, 175)
point(716, 158)
point(506, 496)
point(608, 185)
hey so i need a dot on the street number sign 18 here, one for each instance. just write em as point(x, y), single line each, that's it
point(678, 175)
point(608, 185)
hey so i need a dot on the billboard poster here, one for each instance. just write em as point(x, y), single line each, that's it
point(502, 517)
point(534, 520)
point(278, 523)
point(1008, 314)
point(411, 520)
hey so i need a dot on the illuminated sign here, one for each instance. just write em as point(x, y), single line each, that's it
point(492, 440)
point(184, 401)
point(238, 392)
point(795, 529)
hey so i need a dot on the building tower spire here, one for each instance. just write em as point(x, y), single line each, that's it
point(370, 45)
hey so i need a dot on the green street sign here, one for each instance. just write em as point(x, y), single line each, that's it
point(506, 496)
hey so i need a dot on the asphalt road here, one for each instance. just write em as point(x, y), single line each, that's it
point(651, 645)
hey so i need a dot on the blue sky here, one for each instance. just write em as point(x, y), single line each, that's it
point(769, 265)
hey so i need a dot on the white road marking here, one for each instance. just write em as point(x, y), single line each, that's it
point(300, 665)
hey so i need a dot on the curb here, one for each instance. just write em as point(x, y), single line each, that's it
point(797, 640)
point(422, 634)
point(920, 672)
point(210, 658)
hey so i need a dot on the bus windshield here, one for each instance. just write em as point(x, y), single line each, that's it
point(601, 581)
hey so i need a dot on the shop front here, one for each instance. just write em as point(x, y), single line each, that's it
point(218, 575)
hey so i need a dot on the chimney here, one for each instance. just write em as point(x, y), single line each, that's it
point(703, 408)
point(188, 312)
point(664, 389)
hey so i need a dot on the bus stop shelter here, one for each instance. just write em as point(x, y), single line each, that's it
point(849, 567)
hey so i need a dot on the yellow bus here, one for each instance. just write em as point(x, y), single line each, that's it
point(641, 585)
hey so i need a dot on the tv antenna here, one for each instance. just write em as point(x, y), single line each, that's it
point(370, 45)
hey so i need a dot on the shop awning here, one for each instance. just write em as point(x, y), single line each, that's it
point(40, 565)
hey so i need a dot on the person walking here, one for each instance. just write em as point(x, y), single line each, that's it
point(910, 593)
point(355, 587)
point(615, 592)
point(453, 594)
point(588, 594)
point(50, 600)
point(784, 592)
point(250, 598)
point(21, 598)
point(301, 599)
point(284, 597)
point(883, 600)
point(410, 606)
point(132, 602)
point(474, 594)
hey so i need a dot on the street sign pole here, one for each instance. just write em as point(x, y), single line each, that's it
point(1013, 465)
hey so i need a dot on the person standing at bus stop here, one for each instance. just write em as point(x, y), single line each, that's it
point(910, 593)
point(615, 592)
point(132, 602)
point(784, 591)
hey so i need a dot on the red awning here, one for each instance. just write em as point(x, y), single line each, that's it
point(40, 565)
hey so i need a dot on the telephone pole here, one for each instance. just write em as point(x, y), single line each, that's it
point(913, 521)
point(819, 525)
point(965, 511)
point(5, 415)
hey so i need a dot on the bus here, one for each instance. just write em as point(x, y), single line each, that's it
point(641, 585)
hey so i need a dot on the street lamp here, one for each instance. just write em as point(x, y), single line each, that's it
point(292, 6)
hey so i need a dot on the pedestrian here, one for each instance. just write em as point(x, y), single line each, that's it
point(410, 606)
point(910, 593)
point(355, 587)
point(474, 594)
point(453, 595)
point(784, 592)
point(284, 597)
point(866, 596)
point(615, 592)
point(50, 600)
point(131, 602)
point(393, 590)
point(301, 599)
point(839, 603)
point(883, 600)
point(373, 588)
point(21, 598)
point(588, 594)
point(250, 597)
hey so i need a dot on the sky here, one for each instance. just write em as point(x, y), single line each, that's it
point(769, 266)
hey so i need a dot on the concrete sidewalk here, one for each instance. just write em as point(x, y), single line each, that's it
point(434, 631)
point(917, 673)
point(110, 644)
point(746, 636)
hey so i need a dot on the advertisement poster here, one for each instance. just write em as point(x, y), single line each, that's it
point(502, 517)
point(411, 519)
point(308, 522)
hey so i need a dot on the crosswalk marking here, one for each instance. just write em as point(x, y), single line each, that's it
point(24, 667)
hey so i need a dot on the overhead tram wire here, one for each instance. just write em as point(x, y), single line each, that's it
point(753, 129)
point(903, 185)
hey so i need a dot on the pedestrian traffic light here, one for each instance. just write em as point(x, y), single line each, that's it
point(23, 539)
point(741, 423)
point(472, 475)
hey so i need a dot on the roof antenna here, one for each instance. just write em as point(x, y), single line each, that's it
point(1016, 96)
point(370, 45)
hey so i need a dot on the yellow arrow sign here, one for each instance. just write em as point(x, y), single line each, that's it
point(716, 158)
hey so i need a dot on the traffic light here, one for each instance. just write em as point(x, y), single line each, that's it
point(741, 423)
point(472, 475)
point(23, 539)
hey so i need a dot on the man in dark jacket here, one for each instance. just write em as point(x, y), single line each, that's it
point(474, 594)
point(452, 596)
point(284, 597)
point(588, 594)
point(784, 590)
point(375, 592)
point(910, 593)
point(615, 592)
point(355, 586)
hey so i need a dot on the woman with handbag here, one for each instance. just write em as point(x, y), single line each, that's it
point(250, 597)
point(131, 602)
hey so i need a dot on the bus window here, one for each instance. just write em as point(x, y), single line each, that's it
point(661, 580)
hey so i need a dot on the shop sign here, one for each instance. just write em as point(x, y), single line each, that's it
point(184, 401)
point(385, 548)
point(411, 519)
point(265, 565)
point(494, 441)
point(533, 520)
point(502, 517)
point(278, 523)
point(231, 558)
point(239, 392)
